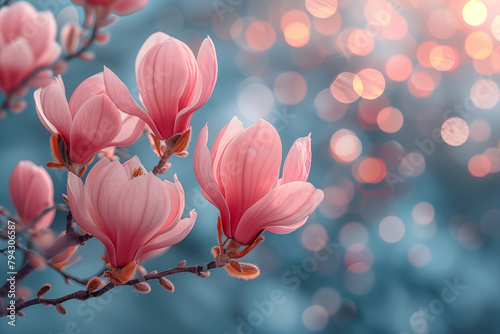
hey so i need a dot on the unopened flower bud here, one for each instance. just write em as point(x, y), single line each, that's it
point(60, 309)
point(94, 284)
point(142, 287)
point(43, 290)
point(181, 264)
point(166, 284)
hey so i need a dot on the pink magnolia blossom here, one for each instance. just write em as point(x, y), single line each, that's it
point(27, 42)
point(88, 124)
point(240, 176)
point(133, 214)
point(32, 191)
point(119, 7)
point(172, 83)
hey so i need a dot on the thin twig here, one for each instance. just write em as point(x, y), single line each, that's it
point(70, 239)
point(163, 161)
point(74, 278)
point(84, 294)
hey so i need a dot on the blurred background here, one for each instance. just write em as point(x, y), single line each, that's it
point(401, 98)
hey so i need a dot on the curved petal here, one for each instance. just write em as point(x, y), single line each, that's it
point(103, 188)
point(132, 128)
point(163, 77)
point(156, 38)
point(298, 161)
point(207, 65)
point(286, 229)
point(142, 209)
point(77, 201)
point(95, 125)
point(16, 62)
point(56, 109)
point(51, 53)
point(249, 168)
point(121, 97)
point(177, 202)
point(89, 88)
point(285, 205)
point(127, 7)
point(168, 238)
point(40, 31)
point(221, 141)
point(39, 196)
point(39, 110)
point(14, 19)
point(132, 165)
point(205, 176)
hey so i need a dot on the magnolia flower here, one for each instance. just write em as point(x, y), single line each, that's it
point(240, 176)
point(119, 7)
point(172, 83)
point(32, 191)
point(134, 214)
point(27, 42)
point(88, 124)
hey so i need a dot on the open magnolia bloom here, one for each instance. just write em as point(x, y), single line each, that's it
point(240, 176)
point(133, 213)
point(32, 191)
point(172, 84)
point(27, 42)
point(88, 124)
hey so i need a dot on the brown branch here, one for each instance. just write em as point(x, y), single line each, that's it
point(70, 239)
point(68, 276)
point(163, 161)
point(84, 294)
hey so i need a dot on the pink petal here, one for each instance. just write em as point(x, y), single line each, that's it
point(156, 38)
point(39, 110)
point(176, 193)
point(94, 127)
point(127, 7)
point(249, 168)
point(31, 191)
point(16, 62)
point(207, 64)
point(132, 128)
point(15, 19)
point(89, 88)
point(163, 77)
point(298, 161)
point(205, 176)
point(40, 32)
point(286, 229)
point(285, 205)
point(168, 238)
point(143, 207)
point(121, 97)
point(133, 164)
point(221, 141)
point(50, 55)
point(55, 108)
point(103, 188)
point(77, 202)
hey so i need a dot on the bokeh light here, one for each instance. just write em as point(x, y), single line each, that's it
point(419, 255)
point(321, 8)
point(391, 229)
point(474, 13)
point(485, 94)
point(398, 68)
point(260, 35)
point(455, 131)
point(390, 120)
point(345, 146)
point(369, 83)
point(290, 88)
point(342, 87)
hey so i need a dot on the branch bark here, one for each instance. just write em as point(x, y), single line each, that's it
point(84, 294)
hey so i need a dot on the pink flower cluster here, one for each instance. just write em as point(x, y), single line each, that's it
point(135, 214)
